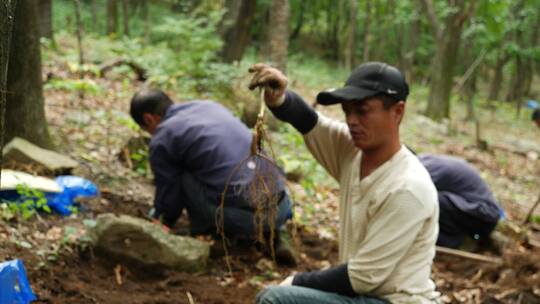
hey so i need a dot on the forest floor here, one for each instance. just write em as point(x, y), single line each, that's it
point(93, 130)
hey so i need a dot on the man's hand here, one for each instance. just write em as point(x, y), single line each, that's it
point(288, 281)
point(152, 217)
point(160, 224)
point(272, 80)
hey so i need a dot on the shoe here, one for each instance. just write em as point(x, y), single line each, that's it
point(285, 251)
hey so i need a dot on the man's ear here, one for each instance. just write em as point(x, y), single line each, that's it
point(399, 111)
point(148, 119)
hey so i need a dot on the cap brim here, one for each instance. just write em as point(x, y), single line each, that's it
point(343, 94)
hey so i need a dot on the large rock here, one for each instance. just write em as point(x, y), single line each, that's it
point(148, 243)
point(22, 151)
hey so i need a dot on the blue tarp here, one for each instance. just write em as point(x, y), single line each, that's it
point(72, 188)
point(14, 285)
point(532, 104)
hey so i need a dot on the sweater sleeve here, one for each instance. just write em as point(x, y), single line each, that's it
point(335, 279)
point(328, 140)
point(331, 145)
point(297, 112)
point(167, 202)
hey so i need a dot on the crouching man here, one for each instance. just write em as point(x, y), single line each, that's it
point(467, 206)
point(194, 149)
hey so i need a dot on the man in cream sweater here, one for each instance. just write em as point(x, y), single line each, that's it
point(388, 204)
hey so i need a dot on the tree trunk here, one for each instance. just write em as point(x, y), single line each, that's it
point(125, 15)
point(6, 24)
point(339, 41)
point(300, 21)
point(79, 32)
point(333, 11)
point(516, 90)
point(112, 17)
point(468, 83)
point(535, 36)
point(350, 49)
point(278, 36)
point(408, 39)
point(147, 21)
point(45, 19)
point(504, 57)
point(518, 85)
point(25, 115)
point(442, 71)
point(448, 39)
point(511, 91)
point(468, 95)
point(495, 86)
point(93, 12)
point(232, 10)
point(378, 25)
point(367, 28)
point(236, 37)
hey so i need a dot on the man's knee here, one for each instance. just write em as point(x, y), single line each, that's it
point(273, 295)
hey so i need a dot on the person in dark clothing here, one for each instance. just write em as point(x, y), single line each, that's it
point(467, 206)
point(536, 117)
point(194, 149)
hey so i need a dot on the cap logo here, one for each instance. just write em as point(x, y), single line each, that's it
point(389, 91)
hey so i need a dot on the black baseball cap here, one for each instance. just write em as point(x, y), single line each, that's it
point(367, 80)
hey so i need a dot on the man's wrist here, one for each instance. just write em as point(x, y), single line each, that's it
point(278, 102)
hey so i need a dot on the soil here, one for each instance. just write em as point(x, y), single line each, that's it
point(80, 275)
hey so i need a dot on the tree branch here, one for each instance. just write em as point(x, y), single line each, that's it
point(467, 13)
point(427, 5)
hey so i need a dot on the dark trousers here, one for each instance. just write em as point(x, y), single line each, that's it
point(203, 205)
point(455, 223)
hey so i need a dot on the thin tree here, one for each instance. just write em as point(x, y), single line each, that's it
point(408, 34)
point(112, 17)
point(79, 42)
point(278, 34)
point(45, 18)
point(447, 36)
point(350, 49)
point(367, 27)
point(524, 63)
point(503, 56)
point(235, 30)
point(25, 113)
point(299, 21)
point(495, 86)
point(125, 16)
point(93, 13)
point(146, 17)
point(6, 25)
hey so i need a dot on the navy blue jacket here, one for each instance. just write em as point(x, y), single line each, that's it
point(467, 205)
point(204, 139)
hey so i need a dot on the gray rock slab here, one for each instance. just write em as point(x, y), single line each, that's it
point(521, 145)
point(148, 243)
point(22, 151)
